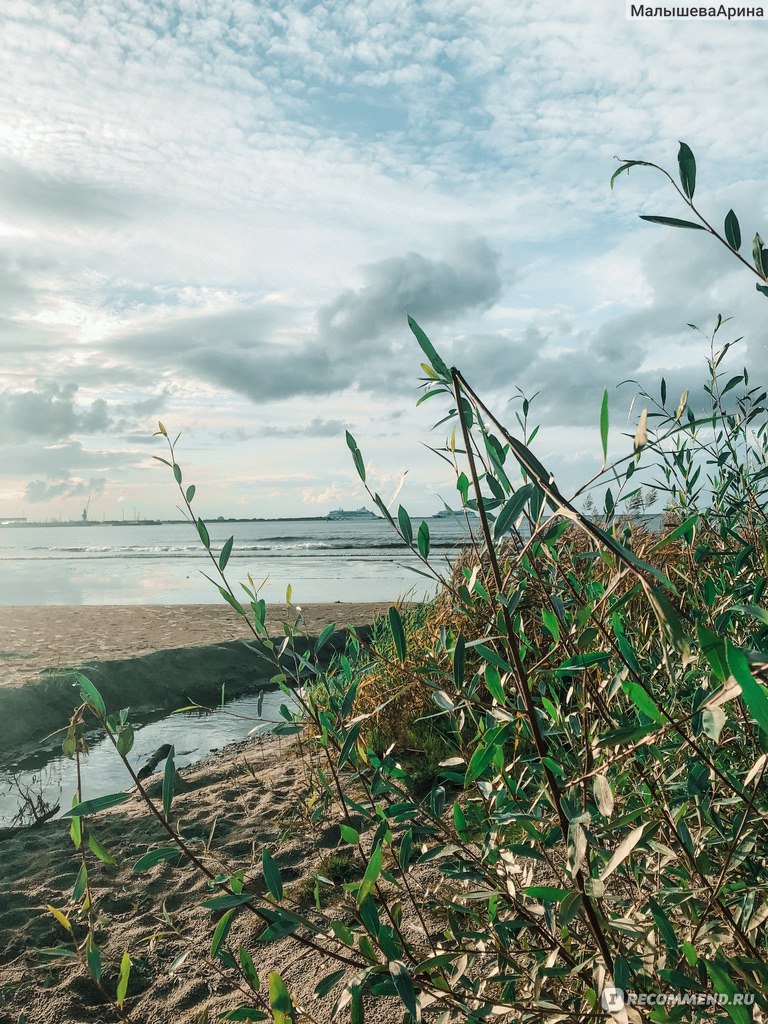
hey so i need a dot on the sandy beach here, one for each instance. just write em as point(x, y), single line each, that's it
point(256, 793)
point(35, 638)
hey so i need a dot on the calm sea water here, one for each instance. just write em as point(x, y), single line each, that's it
point(163, 564)
point(44, 772)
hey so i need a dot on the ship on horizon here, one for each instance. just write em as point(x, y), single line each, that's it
point(449, 513)
point(358, 513)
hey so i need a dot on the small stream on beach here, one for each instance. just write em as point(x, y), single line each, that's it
point(45, 772)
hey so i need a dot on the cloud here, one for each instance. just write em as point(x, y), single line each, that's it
point(330, 494)
point(38, 491)
point(50, 413)
point(66, 459)
point(42, 196)
point(315, 428)
point(354, 339)
point(432, 291)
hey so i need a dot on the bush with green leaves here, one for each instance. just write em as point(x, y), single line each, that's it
point(599, 818)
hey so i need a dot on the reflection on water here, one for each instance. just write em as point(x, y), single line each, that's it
point(145, 564)
point(50, 777)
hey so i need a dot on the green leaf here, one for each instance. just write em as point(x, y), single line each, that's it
point(757, 255)
point(122, 982)
point(626, 166)
point(406, 849)
point(190, 493)
point(56, 951)
point(398, 633)
point(493, 684)
point(404, 986)
point(644, 702)
point(90, 695)
point(492, 657)
point(80, 884)
point(349, 744)
point(203, 533)
point(667, 932)
point(177, 472)
point(246, 1013)
point(325, 985)
point(324, 637)
point(226, 551)
point(104, 855)
point(279, 999)
point(349, 834)
point(357, 458)
point(429, 351)
point(372, 872)
point(93, 957)
point(682, 529)
point(755, 696)
point(761, 614)
point(222, 929)
point(169, 778)
point(98, 803)
point(720, 977)
point(155, 857)
point(551, 623)
point(670, 623)
point(687, 165)
point(545, 893)
point(125, 740)
point(459, 661)
point(232, 601)
point(423, 541)
point(481, 758)
point(459, 818)
point(673, 222)
point(732, 231)
point(272, 876)
point(604, 425)
point(509, 513)
point(405, 525)
point(249, 968)
point(225, 902)
point(713, 647)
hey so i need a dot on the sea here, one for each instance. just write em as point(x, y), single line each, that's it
point(165, 563)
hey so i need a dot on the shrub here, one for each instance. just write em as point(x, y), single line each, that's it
point(598, 819)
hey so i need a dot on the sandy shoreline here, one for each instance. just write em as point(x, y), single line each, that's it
point(257, 796)
point(34, 638)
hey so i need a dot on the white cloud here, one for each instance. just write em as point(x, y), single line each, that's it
point(230, 205)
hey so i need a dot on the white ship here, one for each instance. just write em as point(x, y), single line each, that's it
point(358, 513)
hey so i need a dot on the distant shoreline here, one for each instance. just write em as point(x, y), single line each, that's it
point(160, 522)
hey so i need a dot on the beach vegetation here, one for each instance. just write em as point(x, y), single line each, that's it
point(549, 785)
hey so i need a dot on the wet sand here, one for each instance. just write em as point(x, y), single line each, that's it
point(36, 638)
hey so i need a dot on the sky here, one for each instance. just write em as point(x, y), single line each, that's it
point(217, 213)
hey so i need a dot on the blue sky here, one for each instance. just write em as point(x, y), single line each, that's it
point(217, 212)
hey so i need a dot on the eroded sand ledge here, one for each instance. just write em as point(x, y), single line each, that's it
point(157, 656)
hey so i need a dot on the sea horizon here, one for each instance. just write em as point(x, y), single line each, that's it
point(165, 562)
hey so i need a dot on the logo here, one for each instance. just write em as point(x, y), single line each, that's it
point(612, 999)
